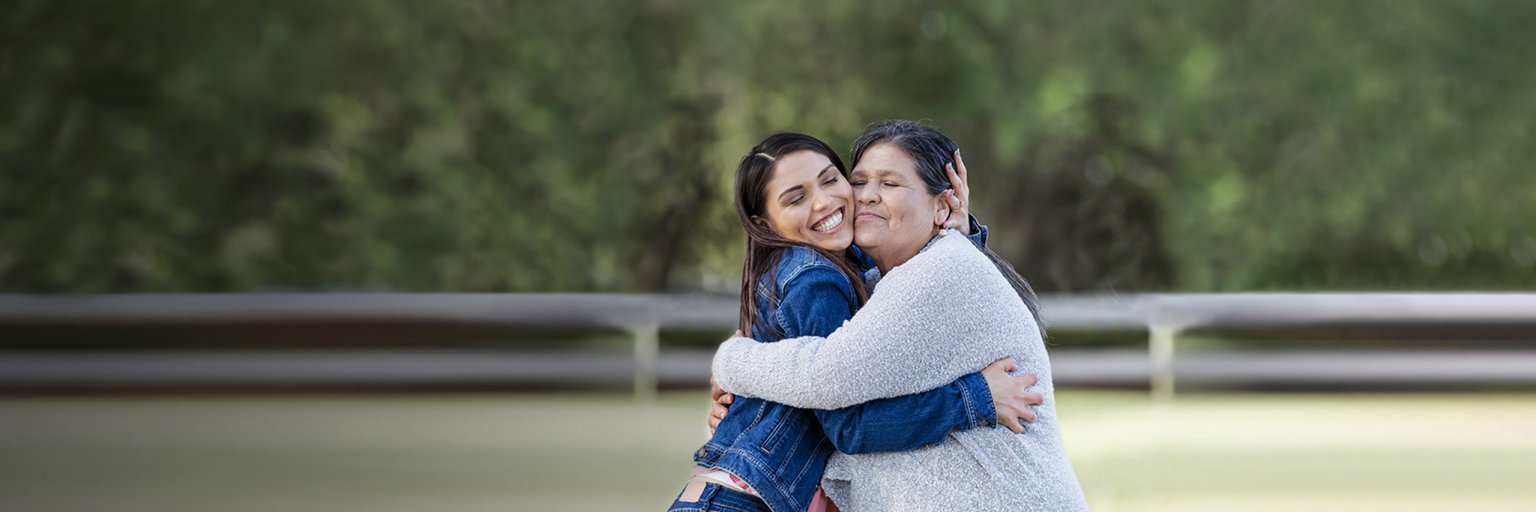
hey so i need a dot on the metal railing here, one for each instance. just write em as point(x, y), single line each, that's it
point(1163, 317)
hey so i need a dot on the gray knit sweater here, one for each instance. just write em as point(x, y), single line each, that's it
point(943, 314)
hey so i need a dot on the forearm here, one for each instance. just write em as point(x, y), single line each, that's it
point(775, 372)
point(913, 421)
point(902, 342)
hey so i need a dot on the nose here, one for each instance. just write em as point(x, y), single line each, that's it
point(822, 201)
point(867, 194)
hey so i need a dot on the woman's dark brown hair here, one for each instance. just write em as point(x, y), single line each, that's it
point(764, 246)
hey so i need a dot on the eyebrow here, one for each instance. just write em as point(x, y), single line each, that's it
point(799, 187)
point(877, 172)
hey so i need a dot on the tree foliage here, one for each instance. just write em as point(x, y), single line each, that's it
point(480, 145)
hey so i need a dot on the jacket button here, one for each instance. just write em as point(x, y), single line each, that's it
point(699, 453)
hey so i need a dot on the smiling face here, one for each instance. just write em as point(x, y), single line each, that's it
point(896, 215)
point(808, 201)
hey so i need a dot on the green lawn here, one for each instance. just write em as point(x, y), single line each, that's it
point(606, 452)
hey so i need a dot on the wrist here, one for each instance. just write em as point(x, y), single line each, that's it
point(979, 400)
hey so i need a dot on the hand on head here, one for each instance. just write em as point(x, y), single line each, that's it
point(958, 196)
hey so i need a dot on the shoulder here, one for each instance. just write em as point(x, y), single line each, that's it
point(802, 265)
point(815, 295)
point(950, 257)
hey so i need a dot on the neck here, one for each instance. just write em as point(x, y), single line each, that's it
point(887, 258)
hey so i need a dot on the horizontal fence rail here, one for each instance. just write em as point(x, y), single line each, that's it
point(1162, 317)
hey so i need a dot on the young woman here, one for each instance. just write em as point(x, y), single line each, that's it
point(801, 278)
point(942, 308)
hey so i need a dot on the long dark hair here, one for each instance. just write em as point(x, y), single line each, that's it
point(764, 246)
point(932, 150)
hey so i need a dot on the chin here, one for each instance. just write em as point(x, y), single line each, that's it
point(834, 244)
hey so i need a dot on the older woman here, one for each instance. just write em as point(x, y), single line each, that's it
point(942, 308)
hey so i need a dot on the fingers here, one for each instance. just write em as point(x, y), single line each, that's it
point(960, 177)
point(954, 176)
point(714, 390)
point(1010, 422)
point(960, 167)
point(716, 415)
point(955, 205)
point(727, 399)
point(718, 411)
point(1027, 380)
point(956, 195)
point(1010, 365)
point(1027, 415)
point(1032, 398)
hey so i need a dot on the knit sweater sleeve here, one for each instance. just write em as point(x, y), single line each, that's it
point(933, 320)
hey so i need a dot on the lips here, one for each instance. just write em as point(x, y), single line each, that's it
point(867, 215)
point(829, 223)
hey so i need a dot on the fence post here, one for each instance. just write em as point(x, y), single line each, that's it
point(647, 354)
point(1161, 350)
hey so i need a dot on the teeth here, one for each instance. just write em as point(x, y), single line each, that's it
point(834, 221)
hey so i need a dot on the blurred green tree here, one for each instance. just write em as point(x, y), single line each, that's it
point(488, 145)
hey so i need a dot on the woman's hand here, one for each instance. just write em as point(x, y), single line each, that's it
point(1008, 395)
point(958, 197)
point(721, 402)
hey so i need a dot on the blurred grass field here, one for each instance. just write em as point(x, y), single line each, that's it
point(607, 452)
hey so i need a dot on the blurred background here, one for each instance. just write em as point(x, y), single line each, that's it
point(400, 255)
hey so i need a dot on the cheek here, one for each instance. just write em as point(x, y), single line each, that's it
point(794, 220)
point(911, 208)
point(842, 191)
point(784, 222)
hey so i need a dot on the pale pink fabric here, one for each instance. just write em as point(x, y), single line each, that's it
point(724, 478)
point(821, 503)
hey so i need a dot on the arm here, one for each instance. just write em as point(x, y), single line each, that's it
point(909, 338)
point(912, 421)
point(820, 299)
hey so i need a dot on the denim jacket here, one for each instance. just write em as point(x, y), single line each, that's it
point(782, 451)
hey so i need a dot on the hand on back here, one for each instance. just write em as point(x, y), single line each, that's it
point(1014, 404)
point(720, 403)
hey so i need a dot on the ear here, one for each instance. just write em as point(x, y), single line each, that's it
point(941, 210)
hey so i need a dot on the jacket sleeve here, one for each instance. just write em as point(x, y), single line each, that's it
point(978, 234)
point(928, 326)
point(818, 300)
point(912, 421)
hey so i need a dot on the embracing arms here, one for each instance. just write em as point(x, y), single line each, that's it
point(931, 322)
point(811, 306)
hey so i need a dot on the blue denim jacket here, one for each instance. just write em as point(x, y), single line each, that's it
point(782, 451)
